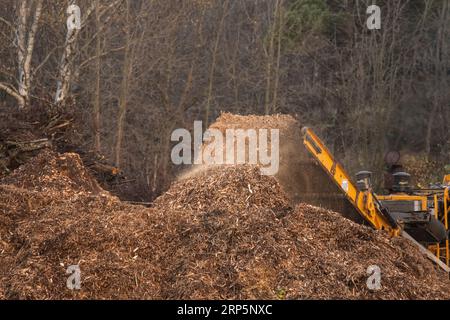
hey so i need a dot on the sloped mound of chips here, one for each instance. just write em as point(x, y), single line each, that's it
point(227, 233)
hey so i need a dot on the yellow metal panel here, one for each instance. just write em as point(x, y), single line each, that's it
point(405, 197)
point(447, 180)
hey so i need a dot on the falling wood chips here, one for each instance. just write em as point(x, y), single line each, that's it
point(228, 233)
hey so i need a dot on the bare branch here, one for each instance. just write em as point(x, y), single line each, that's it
point(31, 40)
point(104, 54)
point(12, 92)
point(46, 59)
point(9, 24)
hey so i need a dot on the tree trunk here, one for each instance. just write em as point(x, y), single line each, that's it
point(277, 69)
point(270, 60)
point(127, 66)
point(21, 34)
point(65, 68)
point(96, 116)
point(213, 64)
point(25, 47)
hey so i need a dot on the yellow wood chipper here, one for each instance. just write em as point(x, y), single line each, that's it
point(421, 215)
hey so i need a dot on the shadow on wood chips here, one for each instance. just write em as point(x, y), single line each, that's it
point(226, 233)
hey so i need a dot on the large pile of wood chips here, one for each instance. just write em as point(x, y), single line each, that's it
point(225, 233)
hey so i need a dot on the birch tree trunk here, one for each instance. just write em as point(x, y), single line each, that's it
point(65, 70)
point(66, 65)
point(21, 33)
point(27, 78)
point(25, 41)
